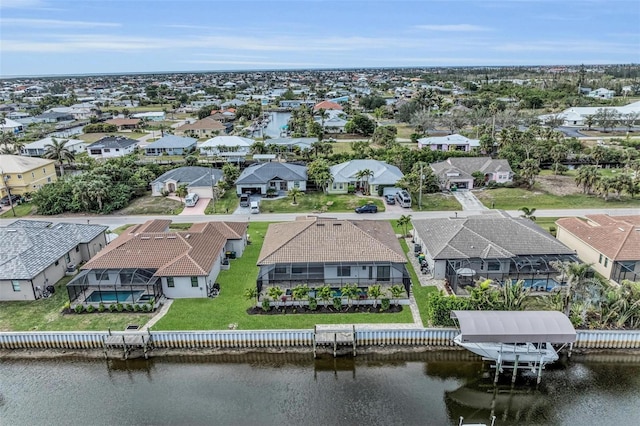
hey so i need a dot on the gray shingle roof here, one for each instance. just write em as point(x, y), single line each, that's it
point(494, 236)
point(383, 173)
point(29, 247)
point(468, 165)
point(263, 173)
point(192, 176)
point(113, 142)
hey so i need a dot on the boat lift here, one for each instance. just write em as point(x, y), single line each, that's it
point(515, 339)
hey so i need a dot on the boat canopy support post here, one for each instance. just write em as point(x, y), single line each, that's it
point(515, 370)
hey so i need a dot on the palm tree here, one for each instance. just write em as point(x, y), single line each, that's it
point(295, 192)
point(299, 292)
point(527, 213)
point(404, 222)
point(396, 292)
point(374, 292)
point(350, 291)
point(251, 293)
point(275, 293)
point(514, 295)
point(363, 177)
point(182, 191)
point(324, 294)
point(558, 154)
point(529, 170)
point(258, 147)
point(58, 151)
point(576, 275)
point(587, 176)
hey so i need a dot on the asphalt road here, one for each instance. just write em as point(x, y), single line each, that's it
point(116, 221)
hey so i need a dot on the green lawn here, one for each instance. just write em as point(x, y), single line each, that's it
point(148, 205)
point(318, 202)
point(44, 315)
point(230, 307)
point(516, 198)
point(436, 202)
point(225, 205)
point(24, 209)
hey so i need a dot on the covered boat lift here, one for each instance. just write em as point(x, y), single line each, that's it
point(513, 336)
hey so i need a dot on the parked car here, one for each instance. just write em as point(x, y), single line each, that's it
point(367, 208)
point(5, 200)
point(244, 200)
point(390, 199)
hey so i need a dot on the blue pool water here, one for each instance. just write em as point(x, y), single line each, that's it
point(548, 284)
point(112, 296)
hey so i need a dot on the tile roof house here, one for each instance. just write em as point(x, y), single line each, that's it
point(112, 146)
point(35, 254)
point(171, 145)
point(344, 174)
point(125, 123)
point(454, 142)
point(327, 105)
point(202, 128)
point(149, 259)
point(495, 246)
point(259, 178)
point(318, 251)
point(199, 180)
point(457, 171)
point(610, 243)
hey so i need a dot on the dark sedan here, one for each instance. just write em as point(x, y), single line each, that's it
point(367, 208)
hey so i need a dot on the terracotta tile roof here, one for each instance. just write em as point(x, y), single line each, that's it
point(156, 225)
point(203, 124)
point(617, 237)
point(327, 105)
point(184, 253)
point(315, 239)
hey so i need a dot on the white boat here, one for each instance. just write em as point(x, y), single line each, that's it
point(525, 353)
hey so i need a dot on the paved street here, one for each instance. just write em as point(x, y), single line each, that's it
point(115, 221)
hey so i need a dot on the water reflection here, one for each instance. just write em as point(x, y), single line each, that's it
point(400, 388)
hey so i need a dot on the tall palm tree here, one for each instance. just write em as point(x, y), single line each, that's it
point(529, 170)
point(404, 221)
point(363, 177)
point(182, 191)
point(58, 151)
point(587, 176)
point(576, 275)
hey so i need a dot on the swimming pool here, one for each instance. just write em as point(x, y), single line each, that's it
point(541, 285)
point(113, 296)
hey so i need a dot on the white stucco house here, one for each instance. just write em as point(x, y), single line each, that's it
point(259, 178)
point(453, 142)
point(344, 174)
point(111, 146)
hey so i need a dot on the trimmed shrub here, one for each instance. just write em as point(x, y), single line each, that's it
point(79, 308)
point(385, 304)
point(67, 306)
point(136, 308)
point(128, 307)
point(313, 303)
point(266, 304)
point(101, 307)
point(337, 303)
point(119, 307)
point(90, 308)
point(112, 307)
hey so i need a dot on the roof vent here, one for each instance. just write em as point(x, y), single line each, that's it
point(622, 229)
point(337, 224)
point(145, 238)
point(320, 224)
point(187, 236)
point(12, 230)
point(171, 237)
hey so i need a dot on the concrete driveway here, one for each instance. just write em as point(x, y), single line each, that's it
point(468, 201)
point(196, 210)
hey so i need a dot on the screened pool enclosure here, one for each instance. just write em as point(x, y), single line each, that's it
point(108, 286)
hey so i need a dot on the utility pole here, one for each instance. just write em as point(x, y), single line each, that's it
point(420, 193)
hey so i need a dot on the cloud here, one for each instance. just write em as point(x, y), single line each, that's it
point(54, 23)
point(452, 28)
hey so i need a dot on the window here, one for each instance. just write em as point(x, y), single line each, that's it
point(67, 257)
point(15, 285)
point(33, 174)
point(493, 265)
point(281, 270)
point(383, 273)
point(600, 260)
point(341, 185)
point(19, 176)
point(606, 262)
point(117, 149)
point(77, 249)
point(194, 281)
point(106, 150)
point(344, 271)
point(44, 171)
point(95, 152)
point(296, 269)
point(439, 147)
point(296, 184)
point(48, 180)
point(170, 282)
point(57, 262)
point(334, 185)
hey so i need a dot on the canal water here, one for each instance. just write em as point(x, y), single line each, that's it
point(434, 388)
point(275, 126)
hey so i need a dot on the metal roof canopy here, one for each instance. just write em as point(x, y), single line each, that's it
point(514, 326)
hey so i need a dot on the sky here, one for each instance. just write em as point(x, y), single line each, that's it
point(61, 37)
